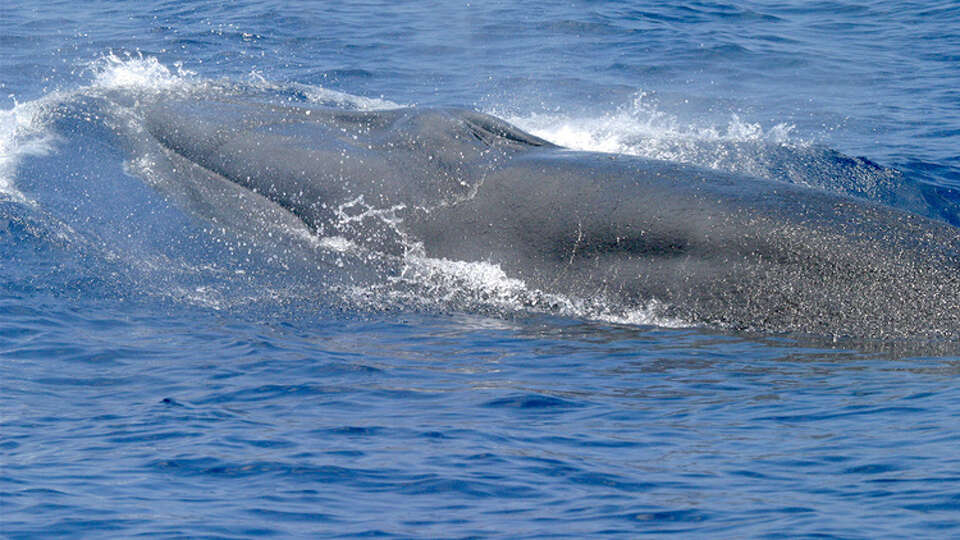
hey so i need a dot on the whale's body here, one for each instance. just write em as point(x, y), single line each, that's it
point(711, 247)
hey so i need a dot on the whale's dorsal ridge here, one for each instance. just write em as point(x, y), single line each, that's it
point(492, 130)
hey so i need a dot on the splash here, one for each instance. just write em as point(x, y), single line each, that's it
point(640, 128)
point(22, 134)
point(25, 128)
point(437, 284)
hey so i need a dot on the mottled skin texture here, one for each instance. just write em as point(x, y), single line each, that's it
point(715, 248)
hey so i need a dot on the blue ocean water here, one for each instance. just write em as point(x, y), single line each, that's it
point(162, 376)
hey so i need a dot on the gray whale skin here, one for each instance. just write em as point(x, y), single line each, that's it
point(713, 248)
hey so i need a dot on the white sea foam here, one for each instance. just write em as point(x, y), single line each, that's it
point(640, 128)
point(138, 73)
point(479, 285)
point(22, 134)
point(449, 278)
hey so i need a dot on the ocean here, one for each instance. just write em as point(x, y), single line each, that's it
point(163, 375)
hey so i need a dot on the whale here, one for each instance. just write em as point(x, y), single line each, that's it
point(713, 248)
